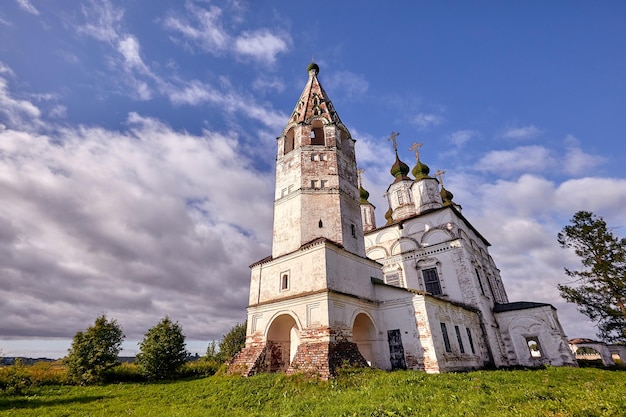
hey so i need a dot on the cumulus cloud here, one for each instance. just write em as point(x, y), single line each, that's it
point(28, 7)
point(578, 162)
point(521, 133)
point(260, 45)
point(461, 137)
point(427, 120)
point(520, 159)
point(137, 223)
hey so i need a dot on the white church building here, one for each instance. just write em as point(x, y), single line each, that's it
point(420, 292)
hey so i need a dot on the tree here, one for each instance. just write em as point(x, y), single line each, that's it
point(94, 351)
point(162, 351)
point(599, 289)
point(233, 341)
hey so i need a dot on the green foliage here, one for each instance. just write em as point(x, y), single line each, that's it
point(162, 351)
point(94, 351)
point(585, 392)
point(599, 289)
point(233, 341)
point(15, 379)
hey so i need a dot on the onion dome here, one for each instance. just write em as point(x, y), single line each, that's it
point(388, 216)
point(364, 194)
point(313, 66)
point(420, 171)
point(399, 169)
point(446, 196)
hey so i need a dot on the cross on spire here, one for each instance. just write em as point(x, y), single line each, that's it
point(439, 176)
point(360, 173)
point(416, 147)
point(392, 138)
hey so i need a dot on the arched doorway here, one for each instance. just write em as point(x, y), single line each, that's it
point(282, 342)
point(364, 335)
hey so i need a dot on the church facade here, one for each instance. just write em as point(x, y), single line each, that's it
point(420, 292)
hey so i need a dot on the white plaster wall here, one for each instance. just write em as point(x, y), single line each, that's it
point(540, 322)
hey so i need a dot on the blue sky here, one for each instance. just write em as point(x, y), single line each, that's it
point(137, 142)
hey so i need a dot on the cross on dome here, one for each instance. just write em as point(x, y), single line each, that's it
point(416, 147)
point(392, 138)
point(439, 176)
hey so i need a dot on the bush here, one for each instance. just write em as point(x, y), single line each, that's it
point(162, 350)
point(95, 351)
point(15, 379)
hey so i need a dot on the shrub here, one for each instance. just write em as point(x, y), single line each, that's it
point(15, 379)
point(95, 351)
point(162, 350)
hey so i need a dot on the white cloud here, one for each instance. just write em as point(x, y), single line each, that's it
point(427, 120)
point(14, 112)
point(577, 162)
point(137, 223)
point(102, 20)
point(261, 45)
point(461, 137)
point(128, 46)
point(206, 30)
point(519, 133)
point(520, 159)
point(265, 83)
point(28, 7)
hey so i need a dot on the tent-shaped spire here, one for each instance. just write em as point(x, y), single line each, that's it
point(314, 101)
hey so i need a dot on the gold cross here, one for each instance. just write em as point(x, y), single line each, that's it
point(360, 173)
point(392, 138)
point(416, 147)
point(439, 176)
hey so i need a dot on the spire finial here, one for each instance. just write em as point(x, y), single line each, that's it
point(392, 138)
point(416, 147)
point(439, 176)
point(360, 173)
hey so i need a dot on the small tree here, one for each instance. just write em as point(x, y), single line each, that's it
point(94, 351)
point(162, 351)
point(599, 289)
point(233, 341)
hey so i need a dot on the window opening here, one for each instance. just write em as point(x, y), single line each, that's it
point(471, 341)
point(320, 224)
point(353, 230)
point(400, 197)
point(323, 183)
point(480, 283)
point(284, 282)
point(458, 338)
point(431, 281)
point(289, 141)
point(446, 340)
point(534, 347)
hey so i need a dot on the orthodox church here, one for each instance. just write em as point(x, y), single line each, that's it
point(420, 292)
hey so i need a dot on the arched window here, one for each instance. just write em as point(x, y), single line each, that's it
point(289, 141)
point(317, 133)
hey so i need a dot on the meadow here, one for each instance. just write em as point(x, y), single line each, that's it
point(543, 392)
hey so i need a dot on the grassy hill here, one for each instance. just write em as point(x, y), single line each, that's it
point(546, 392)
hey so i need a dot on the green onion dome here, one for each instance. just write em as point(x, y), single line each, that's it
point(313, 66)
point(420, 171)
point(388, 216)
point(399, 168)
point(446, 196)
point(364, 194)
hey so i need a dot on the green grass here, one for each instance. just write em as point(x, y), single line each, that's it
point(547, 392)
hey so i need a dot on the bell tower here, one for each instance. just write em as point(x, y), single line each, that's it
point(309, 302)
point(316, 177)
